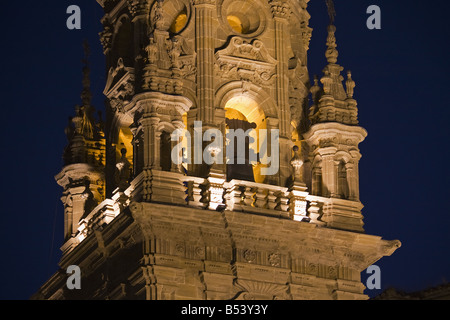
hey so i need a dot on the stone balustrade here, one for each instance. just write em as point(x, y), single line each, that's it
point(174, 188)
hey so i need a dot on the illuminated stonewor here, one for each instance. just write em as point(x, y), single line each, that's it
point(158, 230)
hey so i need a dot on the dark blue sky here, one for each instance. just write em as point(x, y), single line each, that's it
point(401, 73)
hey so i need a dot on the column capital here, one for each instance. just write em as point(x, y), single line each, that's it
point(329, 151)
point(138, 7)
point(280, 9)
point(150, 120)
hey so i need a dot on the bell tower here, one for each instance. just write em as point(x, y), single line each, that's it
point(82, 176)
point(212, 176)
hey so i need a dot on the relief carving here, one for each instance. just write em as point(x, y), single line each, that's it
point(120, 82)
point(254, 290)
point(274, 260)
point(246, 61)
point(249, 255)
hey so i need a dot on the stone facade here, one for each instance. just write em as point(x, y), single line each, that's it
point(141, 226)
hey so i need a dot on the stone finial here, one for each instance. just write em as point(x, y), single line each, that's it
point(84, 122)
point(152, 51)
point(70, 129)
point(327, 82)
point(331, 10)
point(86, 94)
point(331, 53)
point(78, 120)
point(350, 85)
point(174, 50)
point(158, 18)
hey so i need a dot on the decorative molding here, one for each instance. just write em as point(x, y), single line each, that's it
point(203, 2)
point(249, 255)
point(138, 7)
point(120, 82)
point(255, 290)
point(280, 8)
point(274, 259)
point(246, 61)
point(169, 61)
point(106, 37)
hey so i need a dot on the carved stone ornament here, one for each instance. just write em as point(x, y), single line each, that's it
point(274, 260)
point(250, 290)
point(202, 2)
point(312, 268)
point(200, 252)
point(306, 33)
point(169, 61)
point(137, 7)
point(280, 9)
point(332, 272)
point(249, 255)
point(117, 105)
point(246, 61)
point(157, 16)
point(179, 248)
point(241, 48)
point(120, 82)
point(106, 37)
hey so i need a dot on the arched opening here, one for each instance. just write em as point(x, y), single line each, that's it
point(123, 45)
point(122, 169)
point(175, 15)
point(244, 113)
point(237, 24)
point(165, 151)
point(243, 16)
point(343, 190)
point(125, 146)
point(179, 22)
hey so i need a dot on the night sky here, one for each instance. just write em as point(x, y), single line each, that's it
point(402, 81)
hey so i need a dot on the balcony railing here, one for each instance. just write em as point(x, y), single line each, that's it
point(217, 194)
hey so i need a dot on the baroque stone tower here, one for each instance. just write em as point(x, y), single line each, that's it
point(148, 215)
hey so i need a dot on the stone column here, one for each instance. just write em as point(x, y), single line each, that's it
point(178, 124)
point(329, 172)
point(151, 142)
point(66, 199)
point(204, 11)
point(272, 123)
point(281, 12)
point(316, 184)
point(356, 155)
point(349, 169)
point(204, 47)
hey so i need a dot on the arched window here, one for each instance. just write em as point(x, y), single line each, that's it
point(124, 148)
point(243, 16)
point(180, 22)
point(244, 113)
point(122, 43)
